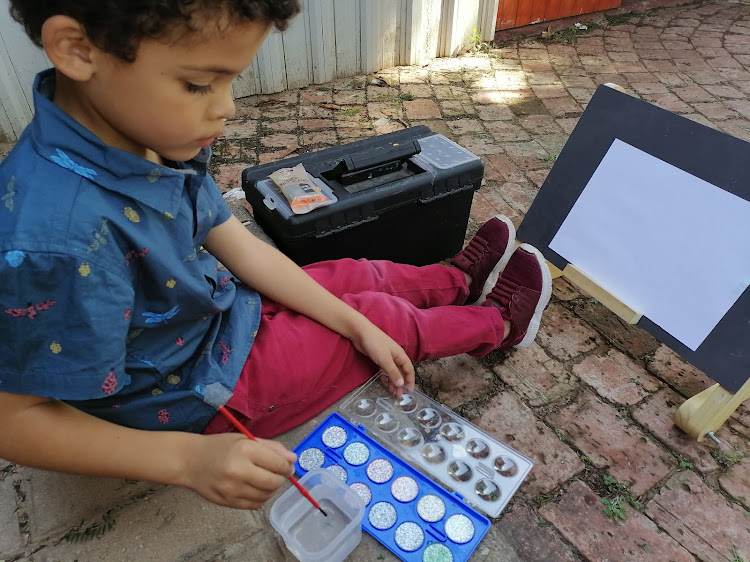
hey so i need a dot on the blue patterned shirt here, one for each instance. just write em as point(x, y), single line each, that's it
point(107, 300)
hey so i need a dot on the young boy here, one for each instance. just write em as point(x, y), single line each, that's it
point(121, 336)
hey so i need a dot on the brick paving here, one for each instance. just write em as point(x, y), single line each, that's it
point(590, 401)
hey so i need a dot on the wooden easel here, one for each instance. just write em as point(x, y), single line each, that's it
point(612, 115)
point(700, 416)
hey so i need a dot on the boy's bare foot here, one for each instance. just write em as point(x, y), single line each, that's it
point(522, 293)
point(486, 255)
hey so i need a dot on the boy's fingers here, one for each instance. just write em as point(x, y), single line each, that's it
point(383, 378)
point(264, 479)
point(393, 373)
point(398, 383)
point(280, 449)
point(401, 374)
point(407, 369)
point(268, 458)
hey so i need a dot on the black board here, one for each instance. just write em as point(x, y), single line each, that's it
point(705, 153)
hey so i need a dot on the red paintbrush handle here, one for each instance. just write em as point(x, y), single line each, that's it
point(236, 423)
point(246, 433)
point(304, 492)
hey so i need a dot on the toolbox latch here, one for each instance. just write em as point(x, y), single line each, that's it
point(380, 161)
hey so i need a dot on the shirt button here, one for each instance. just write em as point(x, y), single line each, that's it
point(271, 408)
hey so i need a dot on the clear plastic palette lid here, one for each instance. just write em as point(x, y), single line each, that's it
point(441, 444)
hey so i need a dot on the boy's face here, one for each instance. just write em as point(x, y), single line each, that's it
point(173, 99)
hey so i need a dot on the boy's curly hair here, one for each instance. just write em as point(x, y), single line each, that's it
point(118, 26)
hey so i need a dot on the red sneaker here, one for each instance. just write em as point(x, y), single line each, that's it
point(522, 293)
point(486, 254)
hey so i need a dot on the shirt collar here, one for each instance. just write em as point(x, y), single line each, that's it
point(60, 139)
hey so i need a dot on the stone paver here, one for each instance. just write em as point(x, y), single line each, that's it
point(537, 378)
point(11, 540)
point(533, 537)
point(678, 374)
point(422, 109)
point(171, 525)
point(56, 500)
point(616, 377)
point(591, 398)
point(626, 338)
point(580, 519)
point(457, 380)
point(654, 414)
point(736, 483)
point(509, 420)
point(229, 176)
point(684, 507)
point(610, 441)
point(563, 336)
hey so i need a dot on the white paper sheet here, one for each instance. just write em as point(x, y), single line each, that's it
point(671, 246)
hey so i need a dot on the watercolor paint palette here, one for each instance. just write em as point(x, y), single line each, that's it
point(406, 511)
point(441, 444)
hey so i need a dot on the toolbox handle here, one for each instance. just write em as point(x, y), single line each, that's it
point(372, 163)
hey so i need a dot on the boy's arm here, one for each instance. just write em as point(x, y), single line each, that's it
point(226, 469)
point(275, 276)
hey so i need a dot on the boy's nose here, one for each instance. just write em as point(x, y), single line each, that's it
point(224, 108)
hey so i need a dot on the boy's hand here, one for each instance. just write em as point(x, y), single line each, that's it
point(231, 470)
point(390, 357)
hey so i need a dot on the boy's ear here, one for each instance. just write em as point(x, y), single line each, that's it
point(68, 47)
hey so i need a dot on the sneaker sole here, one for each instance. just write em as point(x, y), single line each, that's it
point(495, 273)
point(543, 299)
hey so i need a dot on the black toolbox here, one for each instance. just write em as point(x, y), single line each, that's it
point(403, 196)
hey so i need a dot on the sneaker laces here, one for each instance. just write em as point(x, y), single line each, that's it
point(474, 251)
point(503, 292)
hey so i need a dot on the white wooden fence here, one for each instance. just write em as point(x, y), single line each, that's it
point(329, 39)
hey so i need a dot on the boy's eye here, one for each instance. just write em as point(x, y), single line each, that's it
point(196, 89)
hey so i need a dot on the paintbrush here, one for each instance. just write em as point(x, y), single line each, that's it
point(246, 433)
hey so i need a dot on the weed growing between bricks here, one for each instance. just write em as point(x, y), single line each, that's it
point(540, 500)
point(6, 471)
point(620, 491)
point(681, 461)
point(22, 515)
point(735, 555)
point(93, 531)
point(726, 460)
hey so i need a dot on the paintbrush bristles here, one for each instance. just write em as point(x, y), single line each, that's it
point(323, 512)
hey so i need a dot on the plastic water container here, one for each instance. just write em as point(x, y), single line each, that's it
point(307, 533)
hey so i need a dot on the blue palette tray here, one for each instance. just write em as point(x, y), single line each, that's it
point(407, 512)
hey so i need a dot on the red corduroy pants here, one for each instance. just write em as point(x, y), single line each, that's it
point(298, 367)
